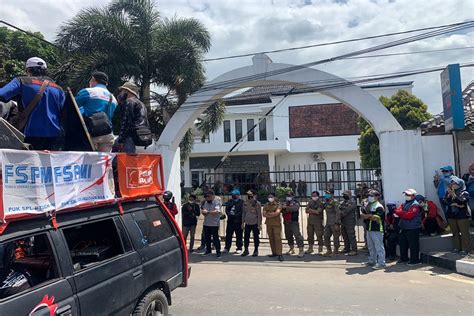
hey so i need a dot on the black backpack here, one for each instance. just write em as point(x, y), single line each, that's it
point(98, 124)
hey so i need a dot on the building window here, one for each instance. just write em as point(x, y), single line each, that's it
point(238, 130)
point(336, 175)
point(351, 175)
point(251, 134)
point(262, 129)
point(226, 131)
point(322, 176)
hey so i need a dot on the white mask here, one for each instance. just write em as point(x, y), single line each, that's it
point(271, 200)
point(408, 197)
point(371, 199)
point(315, 198)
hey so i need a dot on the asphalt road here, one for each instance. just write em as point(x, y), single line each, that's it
point(314, 285)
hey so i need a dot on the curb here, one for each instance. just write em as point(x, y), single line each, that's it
point(460, 266)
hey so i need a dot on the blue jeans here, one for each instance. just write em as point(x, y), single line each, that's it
point(376, 248)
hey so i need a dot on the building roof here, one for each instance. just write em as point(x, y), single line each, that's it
point(262, 94)
point(436, 123)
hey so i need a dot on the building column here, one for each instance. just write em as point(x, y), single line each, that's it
point(187, 173)
point(271, 165)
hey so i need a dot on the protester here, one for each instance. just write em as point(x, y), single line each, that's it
point(252, 222)
point(348, 208)
point(410, 226)
point(375, 215)
point(190, 212)
point(458, 214)
point(98, 105)
point(441, 183)
point(272, 213)
point(391, 232)
point(433, 222)
point(333, 223)
point(42, 101)
point(8, 110)
point(233, 209)
point(470, 188)
point(315, 222)
point(168, 200)
point(211, 209)
point(134, 126)
point(290, 211)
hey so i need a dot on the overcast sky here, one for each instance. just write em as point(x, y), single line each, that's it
point(245, 26)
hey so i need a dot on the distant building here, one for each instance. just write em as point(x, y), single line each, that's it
point(305, 131)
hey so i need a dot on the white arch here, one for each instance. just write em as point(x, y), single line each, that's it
point(353, 96)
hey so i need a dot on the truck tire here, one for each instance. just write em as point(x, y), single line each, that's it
point(152, 304)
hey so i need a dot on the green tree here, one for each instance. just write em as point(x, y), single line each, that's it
point(407, 109)
point(16, 47)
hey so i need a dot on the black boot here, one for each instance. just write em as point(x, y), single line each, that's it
point(245, 253)
point(255, 253)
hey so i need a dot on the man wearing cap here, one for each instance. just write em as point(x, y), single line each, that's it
point(348, 209)
point(441, 183)
point(410, 226)
point(233, 209)
point(252, 222)
point(333, 223)
point(291, 211)
point(133, 115)
point(315, 222)
point(40, 117)
point(96, 99)
point(374, 214)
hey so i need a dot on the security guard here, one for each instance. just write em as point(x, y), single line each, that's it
point(333, 223)
point(315, 222)
point(348, 209)
point(272, 213)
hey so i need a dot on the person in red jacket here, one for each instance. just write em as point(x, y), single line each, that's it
point(170, 204)
point(433, 223)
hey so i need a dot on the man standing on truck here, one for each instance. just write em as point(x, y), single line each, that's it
point(211, 210)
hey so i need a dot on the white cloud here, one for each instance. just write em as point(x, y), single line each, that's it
point(251, 26)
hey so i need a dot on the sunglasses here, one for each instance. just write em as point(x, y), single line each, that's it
point(444, 171)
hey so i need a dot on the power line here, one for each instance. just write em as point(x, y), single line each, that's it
point(412, 53)
point(336, 42)
point(30, 34)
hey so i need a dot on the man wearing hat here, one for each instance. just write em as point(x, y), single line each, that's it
point(410, 227)
point(252, 222)
point(133, 116)
point(441, 183)
point(233, 209)
point(40, 106)
point(97, 99)
point(348, 209)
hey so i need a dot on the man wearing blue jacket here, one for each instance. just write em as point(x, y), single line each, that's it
point(97, 99)
point(42, 126)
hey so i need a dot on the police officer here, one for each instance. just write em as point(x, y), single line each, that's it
point(315, 222)
point(333, 223)
point(348, 209)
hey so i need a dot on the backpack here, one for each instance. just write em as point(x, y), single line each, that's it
point(142, 135)
point(98, 124)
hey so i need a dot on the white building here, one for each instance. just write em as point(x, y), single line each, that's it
point(306, 131)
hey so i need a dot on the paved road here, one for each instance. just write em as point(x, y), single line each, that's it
point(317, 286)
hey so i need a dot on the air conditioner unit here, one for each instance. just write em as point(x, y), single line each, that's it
point(317, 156)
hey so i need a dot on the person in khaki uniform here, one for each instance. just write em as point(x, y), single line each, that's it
point(333, 223)
point(348, 209)
point(315, 222)
point(272, 214)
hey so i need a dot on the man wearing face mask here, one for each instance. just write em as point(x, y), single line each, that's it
point(291, 210)
point(190, 212)
point(252, 222)
point(441, 183)
point(272, 213)
point(211, 210)
point(348, 209)
point(233, 209)
point(315, 222)
point(374, 214)
point(410, 226)
point(333, 223)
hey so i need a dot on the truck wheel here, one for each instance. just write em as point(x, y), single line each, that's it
point(152, 304)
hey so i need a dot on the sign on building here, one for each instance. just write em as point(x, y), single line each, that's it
point(452, 98)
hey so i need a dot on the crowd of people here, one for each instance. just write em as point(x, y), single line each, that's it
point(35, 105)
point(386, 225)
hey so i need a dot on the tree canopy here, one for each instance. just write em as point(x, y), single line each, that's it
point(407, 109)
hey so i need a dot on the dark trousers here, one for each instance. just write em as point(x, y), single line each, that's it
point(431, 226)
point(45, 143)
point(192, 231)
point(410, 239)
point(233, 227)
point(256, 236)
point(211, 233)
point(391, 239)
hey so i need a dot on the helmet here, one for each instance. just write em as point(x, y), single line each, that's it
point(167, 195)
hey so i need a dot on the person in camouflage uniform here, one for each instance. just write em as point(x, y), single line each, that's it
point(315, 222)
point(333, 223)
point(348, 209)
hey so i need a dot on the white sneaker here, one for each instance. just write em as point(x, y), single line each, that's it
point(239, 251)
point(378, 267)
